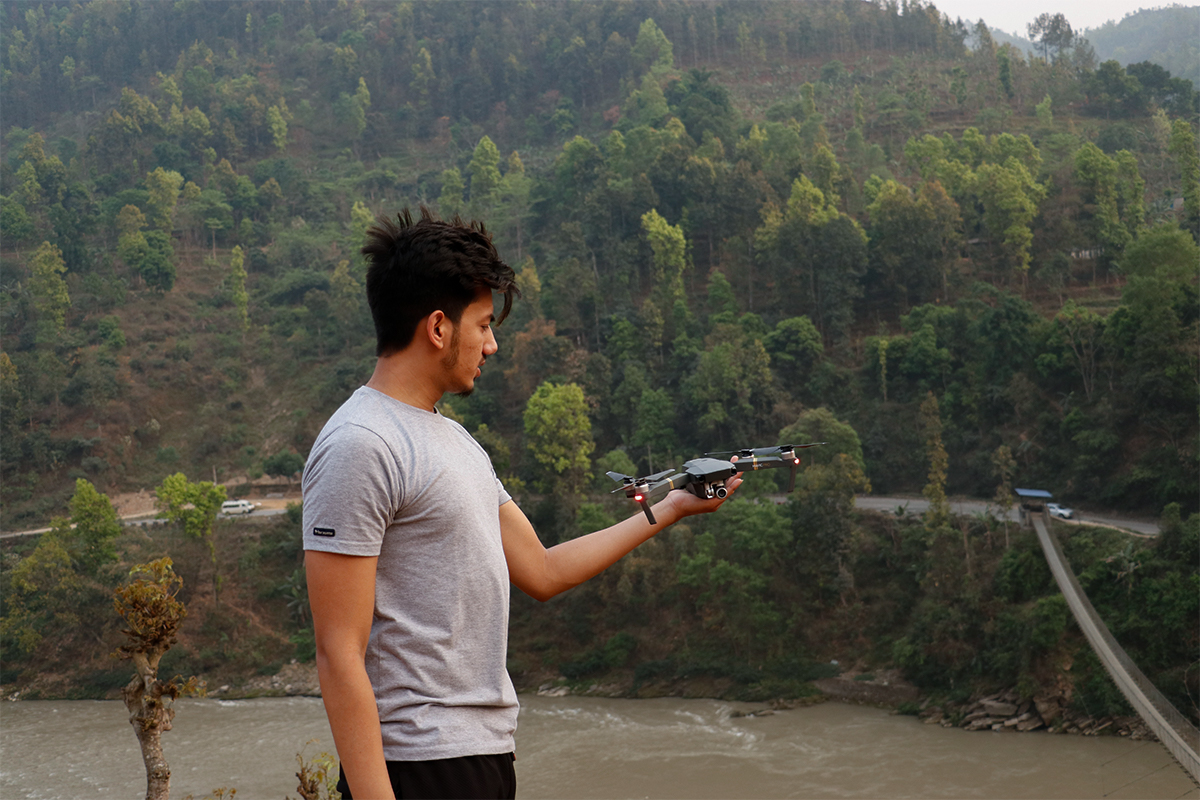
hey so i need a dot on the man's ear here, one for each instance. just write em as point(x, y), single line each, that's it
point(437, 329)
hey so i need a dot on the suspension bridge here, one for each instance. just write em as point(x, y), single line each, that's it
point(1176, 733)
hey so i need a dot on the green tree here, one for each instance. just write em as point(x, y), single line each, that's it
point(43, 597)
point(450, 201)
point(722, 304)
point(156, 264)
point(514, 201)
point(1164, 251)
point(731, 390)
point(51, 300)
point(353, 109)
point(423, 77)
point(152, 615)
point(655, 429)
point(277, 122)
point(346, 298)
point(938, 515)
point(485, 177)
point(1096, 174)
point(1052, 33)
point(111, 335)
point(647, 105)
point(558, 435)
point(1004, 71)
point(668, 262)
point(1131, 190)
point(164, 187)
point(822, 507)
point(1083, 332)
point(361, 219)
point(839, 261)
point(96, 526)
point(237, 288)
point(195, 507)
point(732, 596)
point(284, 464)
point(10, 396)
point(1010, 197)
point(1044, 113)
point(28, 189)
point(820, 425)
point(826, 173)
point(1187, 160)
point(906, 245)
point(15, 221)
point(652, 51)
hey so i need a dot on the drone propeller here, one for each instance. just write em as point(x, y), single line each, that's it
point(777, 450)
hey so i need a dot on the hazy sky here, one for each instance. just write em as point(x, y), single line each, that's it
point(1012, 16)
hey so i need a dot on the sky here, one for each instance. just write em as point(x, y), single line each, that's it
point(1012, 16)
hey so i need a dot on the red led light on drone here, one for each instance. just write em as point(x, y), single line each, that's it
point(795, 461)
point(637, 497)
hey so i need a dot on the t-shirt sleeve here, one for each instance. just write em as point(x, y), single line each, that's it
point(352, 488)
point(504, 495)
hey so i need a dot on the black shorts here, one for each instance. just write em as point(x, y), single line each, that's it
point(465, 778)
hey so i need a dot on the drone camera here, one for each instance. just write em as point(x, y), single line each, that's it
point(722, 492)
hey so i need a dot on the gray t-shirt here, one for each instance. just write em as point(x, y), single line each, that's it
point(412, 487)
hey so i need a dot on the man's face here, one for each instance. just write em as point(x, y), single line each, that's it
point(471, 342)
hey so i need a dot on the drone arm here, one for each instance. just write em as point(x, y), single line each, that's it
point(771, 462)
point(754, 463)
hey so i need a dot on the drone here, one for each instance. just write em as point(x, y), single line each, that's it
point(705, 477)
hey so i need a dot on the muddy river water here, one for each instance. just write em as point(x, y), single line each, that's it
point(581, 747)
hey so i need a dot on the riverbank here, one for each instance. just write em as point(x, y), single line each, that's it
point(1005, 711)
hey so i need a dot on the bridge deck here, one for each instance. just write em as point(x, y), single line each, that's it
point(1176, 732)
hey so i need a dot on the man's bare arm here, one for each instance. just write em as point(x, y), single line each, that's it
point(542, 573)
point(341, 592)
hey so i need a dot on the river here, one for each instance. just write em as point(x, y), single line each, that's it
point(583, 747)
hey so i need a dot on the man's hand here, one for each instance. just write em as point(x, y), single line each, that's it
point(680, 503)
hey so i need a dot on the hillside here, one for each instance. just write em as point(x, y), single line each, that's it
point(1168, 36)
point(135, 353)
point(733, 224)
point(1165, 36)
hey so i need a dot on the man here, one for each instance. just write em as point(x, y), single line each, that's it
point(412, 541)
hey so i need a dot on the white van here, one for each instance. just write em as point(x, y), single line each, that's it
point(231, 507)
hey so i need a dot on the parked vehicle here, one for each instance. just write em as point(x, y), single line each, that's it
point(1062, 512)
point(231, 507)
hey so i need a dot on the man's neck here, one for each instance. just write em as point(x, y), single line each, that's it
point(401, 378)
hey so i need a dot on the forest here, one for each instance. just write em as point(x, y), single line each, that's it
point(732, 224)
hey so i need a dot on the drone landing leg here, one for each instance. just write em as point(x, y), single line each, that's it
point(646, 507)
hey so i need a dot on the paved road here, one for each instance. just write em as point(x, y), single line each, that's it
point(917, 505)
point(911, 505)
point(144, 521)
